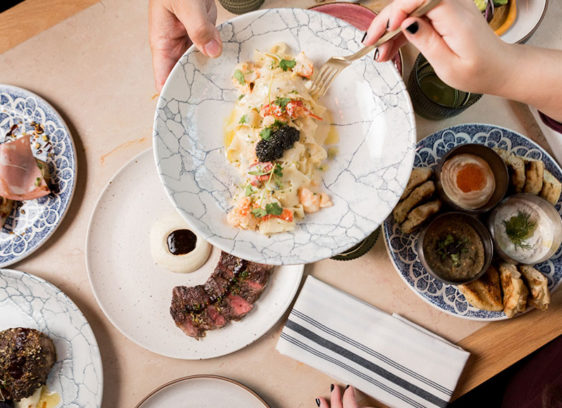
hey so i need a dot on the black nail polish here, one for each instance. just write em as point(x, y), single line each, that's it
point(364, 36)
point(387, 24)
point(413, 28)
point(347, 386)
point(317, 402)
point(376, 54)
point(331, 387)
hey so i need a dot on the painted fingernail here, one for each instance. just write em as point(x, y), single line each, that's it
point(347, 386)
point(377, 54)
point(387, 24)
point(331, 387)
point(413, 28)
point(317, 402)
point(364, 36)
point(213, 48)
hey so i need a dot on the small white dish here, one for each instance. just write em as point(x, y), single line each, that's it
point(529, 16)
point(31, 302)
point(135, 294)
point(370, 109)
point(203, 391)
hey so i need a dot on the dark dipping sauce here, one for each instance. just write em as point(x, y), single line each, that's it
point(454, 250)
point(181, 242)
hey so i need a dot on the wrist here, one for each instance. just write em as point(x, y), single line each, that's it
point(503, 73)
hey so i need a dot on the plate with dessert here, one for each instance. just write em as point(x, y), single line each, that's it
point(37, 172)
point(49, 356)
point(252, 159)
point(166, 288)
point(477, 232)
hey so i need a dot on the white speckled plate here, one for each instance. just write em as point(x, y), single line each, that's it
point(370, 108)
point(135, 294)
point(203, 391)
point(31, 302)
point(402, 247)
point(32, 222)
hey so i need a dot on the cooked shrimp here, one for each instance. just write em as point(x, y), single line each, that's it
point(310, 201)
point(304, 66)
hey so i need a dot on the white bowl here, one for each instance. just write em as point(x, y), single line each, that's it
point(370, 108)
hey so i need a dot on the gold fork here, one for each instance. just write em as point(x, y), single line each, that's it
point(331, 68)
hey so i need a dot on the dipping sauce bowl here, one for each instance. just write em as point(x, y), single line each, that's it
point(455, 248)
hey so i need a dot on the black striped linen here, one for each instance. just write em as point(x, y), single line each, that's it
point(387, 357)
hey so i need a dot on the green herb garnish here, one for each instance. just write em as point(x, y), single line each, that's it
point(239, 76)
point(259, 212)
point(243, 119)
point(248, 190)
point(287, 64)
point(273, 209)
point(241, 96)
point(278, 170)
point(282, 102)
point(520, 227)
point(265, 133)
point(451, 247)
point(37, 182)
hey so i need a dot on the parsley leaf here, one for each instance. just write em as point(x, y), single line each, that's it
point(243, 119)
point(241, 96)
point(259, 212)
point(282, 102)
point(273, 209)
point(265, 133)
point(249, 191)
point(287, 64)
point(239, 76)
point(278, 170)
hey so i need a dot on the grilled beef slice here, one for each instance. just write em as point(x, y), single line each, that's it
point(228, 294)
point(26, 358)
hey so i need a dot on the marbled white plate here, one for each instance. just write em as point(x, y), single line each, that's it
point(29, 301)
point(402, 247)
point(371, 111)
point(32, 222)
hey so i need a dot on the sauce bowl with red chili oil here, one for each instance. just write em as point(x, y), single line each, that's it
point(472, 178)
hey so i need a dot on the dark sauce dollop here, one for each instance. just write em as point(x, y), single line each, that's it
point(181, 242)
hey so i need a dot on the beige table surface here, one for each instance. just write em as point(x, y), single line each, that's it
point(95, 68)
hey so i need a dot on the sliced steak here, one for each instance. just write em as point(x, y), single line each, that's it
point(187, 303)
point(252, 282)
point(26, 358)
point(228, 294)
point(235, 307)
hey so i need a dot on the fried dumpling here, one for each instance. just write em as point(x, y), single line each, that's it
point(515, 292)
point(484, 293)
point(419, 175)
point(538, 286)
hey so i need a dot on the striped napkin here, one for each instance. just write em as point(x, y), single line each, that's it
point(386, 356)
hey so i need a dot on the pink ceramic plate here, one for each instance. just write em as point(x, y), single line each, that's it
point(356, 15)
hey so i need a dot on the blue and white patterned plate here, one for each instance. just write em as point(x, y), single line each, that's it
point(31, 302)
point(402, 247)
point(370, 108)
point(32, 222)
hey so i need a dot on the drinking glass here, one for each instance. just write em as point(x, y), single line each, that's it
point(431, 97)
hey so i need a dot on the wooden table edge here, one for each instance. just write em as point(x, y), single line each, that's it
point(499, 345)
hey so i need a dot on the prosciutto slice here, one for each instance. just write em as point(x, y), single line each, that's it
point(20, 177)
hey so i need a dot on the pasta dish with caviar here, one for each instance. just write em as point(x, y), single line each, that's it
point(275, 137)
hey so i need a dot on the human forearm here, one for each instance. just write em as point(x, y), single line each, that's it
point(532, 76)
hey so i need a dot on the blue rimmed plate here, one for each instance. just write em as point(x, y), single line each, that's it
point(402, 247)
point(31, 302)
point(32, 222)
point(371, 111)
